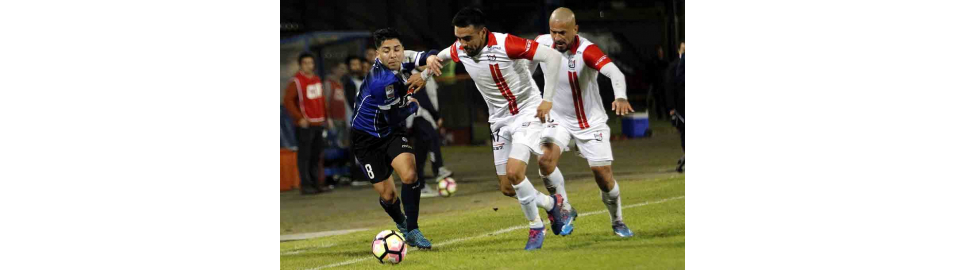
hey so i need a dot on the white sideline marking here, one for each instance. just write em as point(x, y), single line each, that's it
point(308, 248)
point(302, 236)
point(497, 232)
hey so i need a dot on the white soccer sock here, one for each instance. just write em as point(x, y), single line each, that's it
point(554, 184)
point(612, 201)
point(529, 198)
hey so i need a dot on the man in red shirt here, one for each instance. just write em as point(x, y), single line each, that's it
point(306, 105)
point(335, 92)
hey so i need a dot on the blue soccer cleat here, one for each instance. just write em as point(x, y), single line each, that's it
point(571, 218)
point(535, 240)
point(414, 238)
point(402, 228)
point(621, 229)
point(557, 216)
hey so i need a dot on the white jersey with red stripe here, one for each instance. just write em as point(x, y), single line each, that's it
point(577, 105)
point(501, 74)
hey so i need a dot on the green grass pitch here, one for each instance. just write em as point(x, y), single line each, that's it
point(479, 228)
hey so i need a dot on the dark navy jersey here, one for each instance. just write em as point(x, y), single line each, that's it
point(381, 104)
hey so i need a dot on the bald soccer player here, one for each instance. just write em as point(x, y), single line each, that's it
point(578, 114)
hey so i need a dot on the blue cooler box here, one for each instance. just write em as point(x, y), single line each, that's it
point(636, 125)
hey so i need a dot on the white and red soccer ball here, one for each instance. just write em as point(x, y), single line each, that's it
point(447, 186)
point(389, 247)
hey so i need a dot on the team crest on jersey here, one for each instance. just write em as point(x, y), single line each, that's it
point(572, 63)
point(491, 57)
point(598, 136)
point(390, 91)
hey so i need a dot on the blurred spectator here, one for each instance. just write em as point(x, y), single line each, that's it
point(353, 80)
point(423, 130)
point(306, 105)
point(675, 97)
point(370, 55)
point(337, 155)
point(337, 105)
point(657, 68)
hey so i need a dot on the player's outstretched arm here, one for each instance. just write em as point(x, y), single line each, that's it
point(433, 67)
point(619, 83)
point(551, 58)
point(596, 59)
point(441, 59)
point(426, 62)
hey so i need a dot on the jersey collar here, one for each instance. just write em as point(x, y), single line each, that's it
point(492, 39)
point(309, 76)
point(576, 44)
point(383, 66)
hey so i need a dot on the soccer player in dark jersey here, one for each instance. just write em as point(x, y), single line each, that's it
point(379, 143)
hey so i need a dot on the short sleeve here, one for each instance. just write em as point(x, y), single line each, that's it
point(520, 48)
point(593, 57)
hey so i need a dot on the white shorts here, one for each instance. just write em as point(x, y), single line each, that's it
point(515, 139)
point(594, 143)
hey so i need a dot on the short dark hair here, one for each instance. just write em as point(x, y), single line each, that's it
point(304, 55)
point(469, 16)
point(384, 34)
point(348, 60)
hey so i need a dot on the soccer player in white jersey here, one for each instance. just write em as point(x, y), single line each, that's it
point(499, 65)
point(578, 114)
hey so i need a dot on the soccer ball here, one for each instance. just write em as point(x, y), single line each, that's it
point(447, 186)
point(389, 246)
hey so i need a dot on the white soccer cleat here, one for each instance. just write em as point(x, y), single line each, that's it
point(428, 192)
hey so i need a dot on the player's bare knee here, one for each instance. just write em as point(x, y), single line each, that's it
point(546, 164)
point(408, 177)
point(515, 174)
point(387, 195)
point(511, 176)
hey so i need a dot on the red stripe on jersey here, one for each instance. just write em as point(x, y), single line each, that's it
point(503, 88)
point(509, 92)
point(578, 100)
point(576, 105)
point(453, 53)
